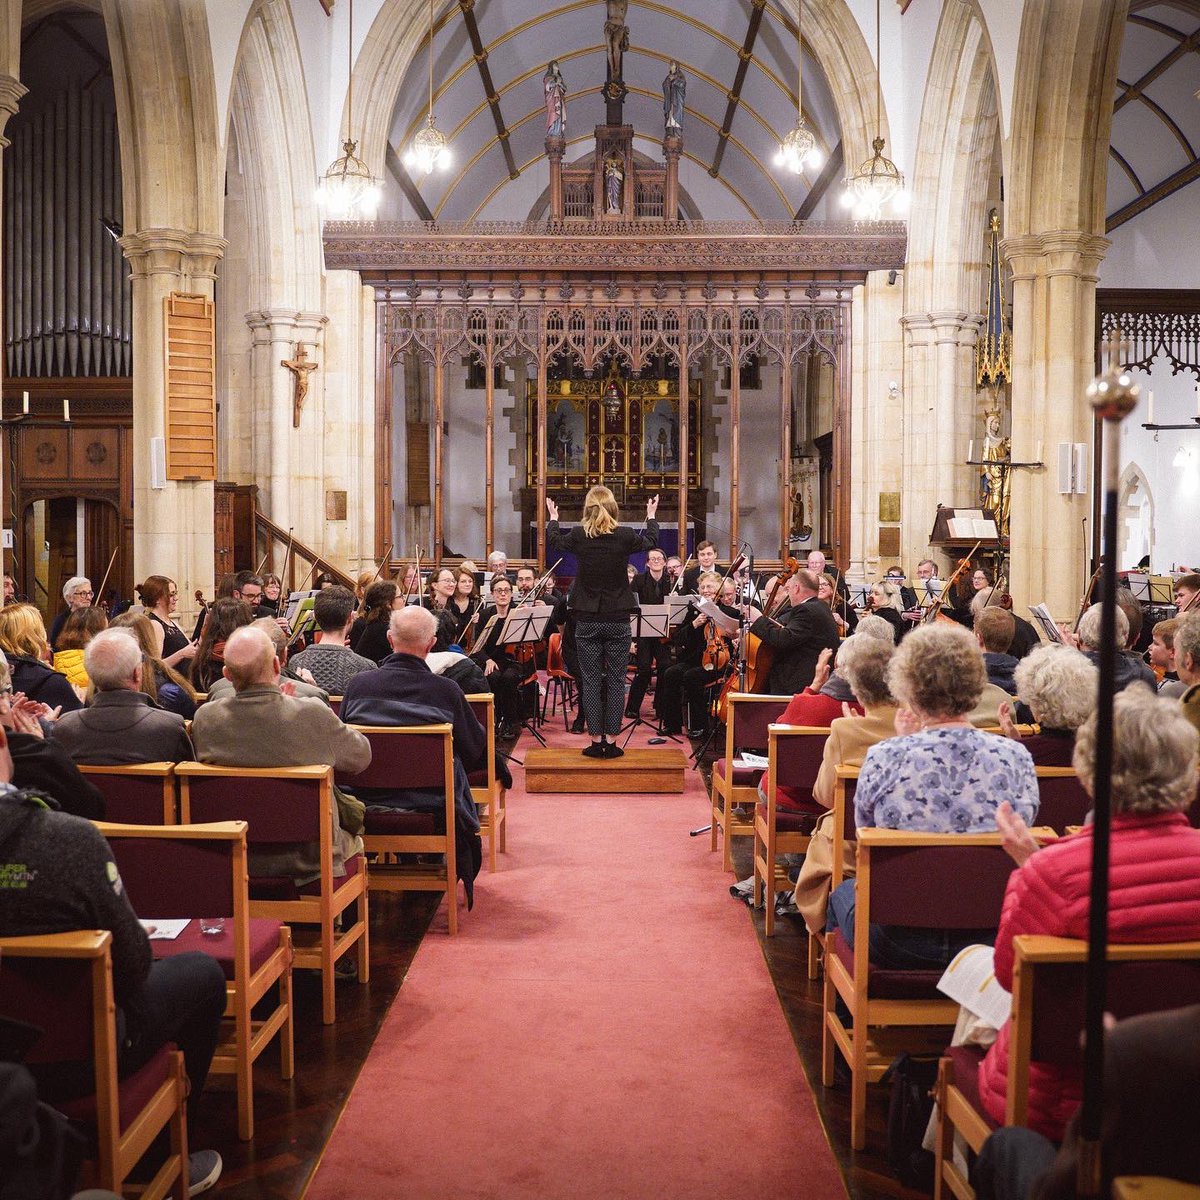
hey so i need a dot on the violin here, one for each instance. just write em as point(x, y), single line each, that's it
point(715, 656)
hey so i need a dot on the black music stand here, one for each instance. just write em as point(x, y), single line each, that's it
point(526, 624)
point(651, 622)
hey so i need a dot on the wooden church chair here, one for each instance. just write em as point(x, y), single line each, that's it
point(136, 793)
point(844, 787)
point(489, 796)
point(1062, 802)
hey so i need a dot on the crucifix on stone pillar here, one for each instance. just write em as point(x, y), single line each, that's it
point(300, 368)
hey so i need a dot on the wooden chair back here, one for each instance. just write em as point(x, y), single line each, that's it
point(335, 702)
point(794, 757)
point(1061, 798)
point(750, 717)
point(62, 982)
point(136, 793)
point(485, 788)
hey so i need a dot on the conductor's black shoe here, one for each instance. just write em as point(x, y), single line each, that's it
point(612, 750)
point(596, 750)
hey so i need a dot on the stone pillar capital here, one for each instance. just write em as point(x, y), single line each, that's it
point(11, 91)
point(285, 324)
point(943, 326)
point(1055, 252)
point(178, 252)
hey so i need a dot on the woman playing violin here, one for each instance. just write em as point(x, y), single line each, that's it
point(465, 602)
point(884, 601)
point(844, 615)
point(702, 651)
point(442, 586)
point(504, 673)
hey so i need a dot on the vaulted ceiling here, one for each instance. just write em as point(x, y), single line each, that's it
point(740, 60)
point(1156, 112)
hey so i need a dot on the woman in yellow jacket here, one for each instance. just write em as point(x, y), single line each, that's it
point(81, 626)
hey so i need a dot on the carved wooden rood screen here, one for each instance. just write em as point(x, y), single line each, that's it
point(649, 298)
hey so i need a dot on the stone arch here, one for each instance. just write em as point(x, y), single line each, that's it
point(1135, 515)
point(830, 28)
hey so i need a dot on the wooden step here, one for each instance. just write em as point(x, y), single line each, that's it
point(640, 770)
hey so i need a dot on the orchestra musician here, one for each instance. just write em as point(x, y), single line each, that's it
point(601, 601)
point(650, 587)
point(505, 675)
point(908, 598)
point(884, 601)
point(818, 564)
point(798, 636)
point(699, 647)
point(1187, 588)
point(844, 615)
point(442, 586)
point(706, 560)
point(464, 603)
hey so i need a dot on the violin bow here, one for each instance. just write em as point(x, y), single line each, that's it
point(679, 581)
point(1086, 602)
point(535, 592)
point(963, 563)
point(99, 596)
point(287, 559)
point(387, 553)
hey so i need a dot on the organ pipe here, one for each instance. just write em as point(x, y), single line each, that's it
point(67, 301)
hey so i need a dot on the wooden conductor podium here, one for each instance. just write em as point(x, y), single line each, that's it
point(641, 770)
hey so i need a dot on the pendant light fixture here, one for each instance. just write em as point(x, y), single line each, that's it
point(878, 182)
point(799, 149)
point(430, 147)
point(348, 191)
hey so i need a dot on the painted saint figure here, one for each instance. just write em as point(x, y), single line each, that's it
point(616, 35)
point(674, 91)
point(614, 179)
point(555, 90)
point(997, 473)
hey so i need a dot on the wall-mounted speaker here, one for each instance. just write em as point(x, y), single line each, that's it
point(158, 462)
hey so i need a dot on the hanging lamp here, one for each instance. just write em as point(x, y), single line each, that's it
point(348, 191)
point(878, 182)
point(430, 147)
point(799, 149)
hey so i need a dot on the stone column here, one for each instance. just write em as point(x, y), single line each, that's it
point(173, 527)
point(288, 462)
point(672, 149)
point(1054, 315)
point(938, 416)
point(554, 152)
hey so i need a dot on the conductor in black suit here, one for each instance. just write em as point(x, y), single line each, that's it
point(601, 601)
point(798, 637)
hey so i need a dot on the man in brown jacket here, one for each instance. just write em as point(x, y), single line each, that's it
point(264, 725)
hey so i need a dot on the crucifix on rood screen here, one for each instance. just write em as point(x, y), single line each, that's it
point(614, 454)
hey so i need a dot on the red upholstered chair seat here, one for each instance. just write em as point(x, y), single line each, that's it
point(885, 984)
point(284, 887)
point(966, 1061)
point(398, 823)
point(787, 821)
point(478, 779)
point(264, 941)
point(133, 1093)
point(742, 776)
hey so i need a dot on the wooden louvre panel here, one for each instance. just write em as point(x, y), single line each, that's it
point(418, 462)
point(191, 417)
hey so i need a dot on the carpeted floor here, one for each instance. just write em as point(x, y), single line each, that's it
point(603, 1025)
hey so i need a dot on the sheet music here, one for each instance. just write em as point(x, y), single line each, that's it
point(650, 621)
point(722, 620)
point(1048, 624)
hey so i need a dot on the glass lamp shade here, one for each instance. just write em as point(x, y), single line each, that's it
point(799, 149)
point(430, 148)
point(348, 190)
point(877, 184)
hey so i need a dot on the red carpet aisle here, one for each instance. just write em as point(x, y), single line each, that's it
point(603, 1025)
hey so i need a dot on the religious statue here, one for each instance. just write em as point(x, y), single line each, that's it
point(997, 472)
point(300, 367)
point(674, 90)
point(614, 180)
point(616, 35)
point(555, 90)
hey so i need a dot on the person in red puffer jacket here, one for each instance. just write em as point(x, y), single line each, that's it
point(1154, 875)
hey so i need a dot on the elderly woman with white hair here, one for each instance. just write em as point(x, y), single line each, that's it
point(1058, 685)
point(77, 592)
point(1154, 875)
point(1129, 666)
point(941, 775)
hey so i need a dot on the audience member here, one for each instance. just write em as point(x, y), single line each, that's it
point(39, 764)
point(1187, 663)
point(829, 693)
point(301, 681)
point(77, 592)
point(23, 640)
point(71, 883)
point(994, 629)
point(1129, 667)
point(122, 724)
point(1133, 614)
point(330, 662)
point(78, 629)
point(1162, 658)
point(261, 725)
point(163, 684)
point(224, 616)
point(1148, 1120)
point(160, 597)
point(940, 775)
point(368, 634)
point(1059, 687)
point(850, 737)
point(1154, 874)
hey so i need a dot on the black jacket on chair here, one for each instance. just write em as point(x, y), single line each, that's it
point(602, 584)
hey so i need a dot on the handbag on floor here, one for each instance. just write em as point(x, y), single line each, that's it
point(910, 1104)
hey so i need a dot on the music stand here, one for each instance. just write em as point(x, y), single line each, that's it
point(651, 622)
point(1048, 625)
point(526, 625)
point(1162, 589)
